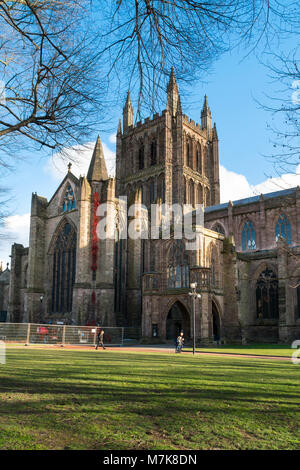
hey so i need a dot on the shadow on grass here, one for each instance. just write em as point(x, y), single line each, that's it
point(88, 393)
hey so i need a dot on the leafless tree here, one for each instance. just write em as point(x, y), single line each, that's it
point(61, 60)
point(143, 39)
point(50, 86)
point(285, 111)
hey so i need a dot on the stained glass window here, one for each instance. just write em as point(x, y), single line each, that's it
point(248, 237)
point(283, 229)
point(64, 269)
point(178, 269)
point(267, 295)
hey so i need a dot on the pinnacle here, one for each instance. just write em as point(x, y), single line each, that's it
point(97, 170)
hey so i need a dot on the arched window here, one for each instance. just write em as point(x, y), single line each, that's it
point(267, 295)
point(161, 188)
point(207, 197)
point(214, 266)
point(248, 237)
point(144, 194)
point(283, 229)
point(152, 192)
point(200, 194)
point(213, 269)
point(69, 200)
point(192, 193)
point(199, 159)
point(206, 162)
point(64, 268)
point(219, 229)
point(141, 157)
point(178, 269)
point(189, 155)
point(152, 257)
point(153, 159)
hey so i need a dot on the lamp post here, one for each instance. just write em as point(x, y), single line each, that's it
point(194, 296)
point(41, 306)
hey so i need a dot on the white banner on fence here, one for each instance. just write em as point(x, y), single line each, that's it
point(2, 352)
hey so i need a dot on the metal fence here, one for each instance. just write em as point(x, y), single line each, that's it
point(34, 333)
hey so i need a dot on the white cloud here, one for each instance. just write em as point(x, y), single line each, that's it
point(15, 230)
point(233, 185)
point(236, 186)
point(80, 157)
point(112, 138)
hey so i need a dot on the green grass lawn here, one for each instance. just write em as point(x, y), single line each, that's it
point(62, 399)
point(256, 349)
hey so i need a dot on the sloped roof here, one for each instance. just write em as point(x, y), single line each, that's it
point(249, 200)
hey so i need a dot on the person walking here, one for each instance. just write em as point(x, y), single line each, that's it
point(100, 339)
point(180, 341)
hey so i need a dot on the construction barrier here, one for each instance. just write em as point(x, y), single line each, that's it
point(35, 333)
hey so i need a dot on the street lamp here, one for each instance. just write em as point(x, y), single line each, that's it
point(195, 296)
point(41, 307)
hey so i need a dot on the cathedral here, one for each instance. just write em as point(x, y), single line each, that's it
point(246, 269)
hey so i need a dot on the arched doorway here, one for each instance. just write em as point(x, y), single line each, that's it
point(216, 326)
point(178, 320)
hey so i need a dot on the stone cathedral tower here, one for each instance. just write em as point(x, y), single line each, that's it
point(167, 159)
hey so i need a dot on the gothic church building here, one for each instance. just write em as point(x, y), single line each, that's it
point(247, 268)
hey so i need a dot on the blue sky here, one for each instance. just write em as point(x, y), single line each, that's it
point(232, 87)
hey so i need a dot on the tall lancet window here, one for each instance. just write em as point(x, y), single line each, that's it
point(63, 269)
point(283, 229)
point(248, 237)
point(69, 200)
point(153, 153)
point(199, 159)
point(141, 157)
point(191, 193)
point(178, 268)
point(267, 295)
point(189, 155)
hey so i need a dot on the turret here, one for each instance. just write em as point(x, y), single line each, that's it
point(173, 99)
point(119, 132)
point(127, 113)
point(85, 189)
point(214, 133)
point(206, 117)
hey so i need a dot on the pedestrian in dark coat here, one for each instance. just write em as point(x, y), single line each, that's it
point(100, 339)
